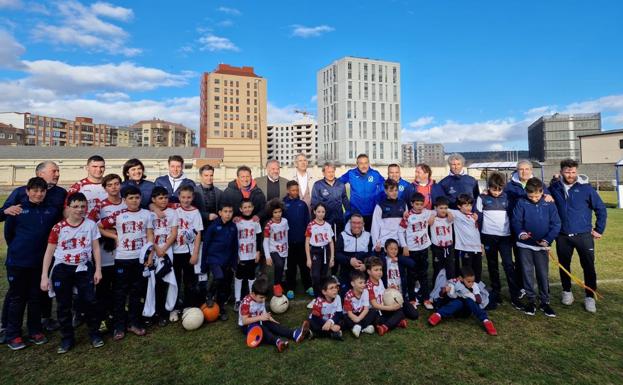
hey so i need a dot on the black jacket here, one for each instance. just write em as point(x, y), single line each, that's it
point(199, 202)
point(233, 196)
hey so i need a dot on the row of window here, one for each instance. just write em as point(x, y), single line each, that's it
point(232, 83)
point(230, 91)
point(217, 98)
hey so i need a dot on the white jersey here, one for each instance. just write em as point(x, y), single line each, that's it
point(414, 230)
point(189, 225)
point(250, 308)
point(325, 309)
point(131, 229)
point(354, 303)
point(466, 232)
point(392, 274)
point(375, 291)
point(319, 234)
point(248, 229)
point(106, 209)
point(163, 226)
point(441, 232)
point(74, 244)
point(277, 236)
point(94, 192)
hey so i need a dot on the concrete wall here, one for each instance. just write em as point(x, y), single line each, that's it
point(603, 148)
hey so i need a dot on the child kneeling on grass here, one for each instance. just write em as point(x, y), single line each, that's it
point(253, 313)
point(465, 297)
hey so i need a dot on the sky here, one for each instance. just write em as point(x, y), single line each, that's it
point(474, 74)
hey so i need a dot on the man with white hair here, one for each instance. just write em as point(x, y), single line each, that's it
point(273, 185)
point(458, 181)
point(304, 178)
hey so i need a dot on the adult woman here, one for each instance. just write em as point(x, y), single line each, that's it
point(424, 184)
point(134, 175)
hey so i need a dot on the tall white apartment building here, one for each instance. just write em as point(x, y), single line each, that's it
point(286, 140)
point(359, 111)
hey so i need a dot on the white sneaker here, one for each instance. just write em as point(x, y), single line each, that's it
point(356, 330)
point(368, 329)
point(589, 305)
point(522, 293)
point(310, 305)
point(174, 315)
point(567, 298)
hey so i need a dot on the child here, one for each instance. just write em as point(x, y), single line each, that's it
point(112, 205)
point(186, 248)
point(297, 214)
point(276, 243)
point(391, 315)
point(466, 297)
point(71, 243)
point(414, 239)
point(536, 224)
point(326, 315)
point(319, 247)
point(387, 216)
point(26, 235)
point(253, 313)
point(467, 235)
point(131, 228)
point(249, 237)
point(165, 235)
point(441, 238)
point(359, 318)
point(392, 277)
point(496, 237)
point(219, 256)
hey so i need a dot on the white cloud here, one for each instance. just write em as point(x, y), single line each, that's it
point(112, 96)
point(422, 122)
point(10, 51)
point(305, 32)
point(83, 27)
point(11, 4)
point(496, 147)
point(314, 98)
point(229, 11)
point(478, 132)
point(225, 23)
point(213, 43)
point(281, 114)
point(611, 103)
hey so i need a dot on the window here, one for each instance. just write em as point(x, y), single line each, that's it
point(217, 115)
point(217, 98)
point(348, 110)
point(365, 91)
point(350, 90)
point(350, 130)
point(373, 111)
point(365, 112)
point(381, 151)
point(373, 150)
point(365, 72)
point(216, 107)
point(373, 130)
point(373, 91)
point(394, 75)
point(350, 72)
point(372, 72)
point(621, 143)
point(350, 150)
point(365, 129)
point(216, 89)
point(217, 81)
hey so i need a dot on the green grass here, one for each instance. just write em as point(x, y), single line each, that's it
point(575, 347)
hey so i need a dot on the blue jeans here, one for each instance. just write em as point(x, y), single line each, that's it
point(462, 307)
point(532, 262)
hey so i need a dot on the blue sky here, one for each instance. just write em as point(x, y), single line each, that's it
point(474, 73)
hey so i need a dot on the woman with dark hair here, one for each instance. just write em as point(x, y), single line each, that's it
point(134, 175)
point(424, 184)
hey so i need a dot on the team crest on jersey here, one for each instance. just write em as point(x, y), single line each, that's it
point(452, 190)
point(370, 179)
point(401, 188)
point(325, 192)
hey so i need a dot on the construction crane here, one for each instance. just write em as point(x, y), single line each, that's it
point(304, 113)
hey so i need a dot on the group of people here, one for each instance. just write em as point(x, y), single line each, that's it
point(122, 252)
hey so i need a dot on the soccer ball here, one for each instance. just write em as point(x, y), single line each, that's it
point(192, 318)
point(210, 313)
point(392, 296)
point(279, 304)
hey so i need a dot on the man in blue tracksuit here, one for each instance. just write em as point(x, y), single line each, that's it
point(457, 182)
point(366, 187)
point(405, 189)
point(220, 255)
point(576, 201)
point(331, 193)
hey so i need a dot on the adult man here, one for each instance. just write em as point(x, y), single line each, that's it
point(458, 182)
point(515, 188)
point(405, 189)
point(332, 193)
point(352, 247)
point(175, 178)
point(244, 187)
point(576, 201)
point(272, 184)
point(91, 186)
point(207, 196)
point(304, 178)
point(366, 187)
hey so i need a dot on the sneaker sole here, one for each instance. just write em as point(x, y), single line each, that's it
point(529, 313)
point(15, 348)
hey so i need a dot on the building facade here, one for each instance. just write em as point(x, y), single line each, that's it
point(359, 111)
point(10, 135)
point(556, 137)
point(432, 154)
point(233, 114)
point(604, 147)
point(286, 140)
point(408, 155)
point(160, 133)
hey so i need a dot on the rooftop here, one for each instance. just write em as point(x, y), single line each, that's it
point(59, 152)
point(603, 133)
point(226, 69)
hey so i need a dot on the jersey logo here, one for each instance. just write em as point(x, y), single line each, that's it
point(370, 179)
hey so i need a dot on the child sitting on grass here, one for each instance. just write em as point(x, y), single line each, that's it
point(326, 315)
point(359, 318)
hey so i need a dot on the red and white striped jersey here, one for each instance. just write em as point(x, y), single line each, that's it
point(375, 291)
point(74, 244)
point(250, 308)
point(277, 235)
point(248, 229)
point(163, 226)
point(106, 209)
point(441, 232)
point(319, 234)
point(94, 192)
point(131, 229)
point(354, 303)
point(325, 309)
point(189, 225)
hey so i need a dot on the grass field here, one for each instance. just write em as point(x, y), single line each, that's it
point(576, 347)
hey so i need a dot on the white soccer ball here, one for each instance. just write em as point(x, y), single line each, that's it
point(279, 304)
point(192, 318)
point(392, 296)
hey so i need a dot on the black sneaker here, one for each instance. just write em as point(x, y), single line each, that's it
point(162, 322)
point(530, 308)
point(65, 347)
point(77, 320)
point(337, 336)
point(209, 301)
point(97, 342)
point(517, 304)
point(50, 324)
point(545, 308)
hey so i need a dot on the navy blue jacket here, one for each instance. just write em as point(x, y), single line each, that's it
point(454, 185)
point(365, 190)
point(334, 197)
point(349, 246)
point(55, 196)
point(515, 191)
point(27, 234)
point(163, 181)
point(146, 188)
point(539, 219)
point(220, 245)
point(576, 211)
point(297, 214)
point(405, 192)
